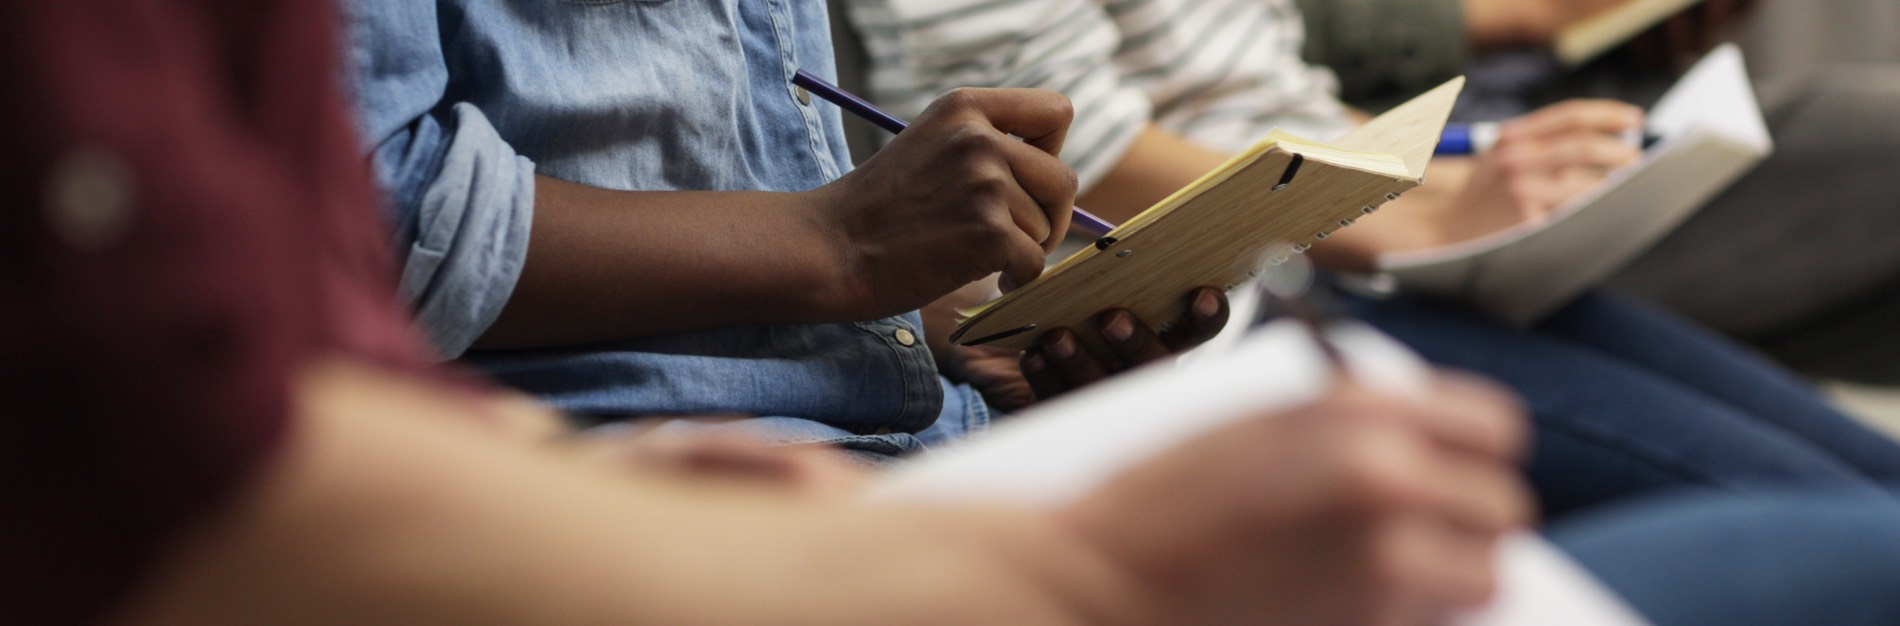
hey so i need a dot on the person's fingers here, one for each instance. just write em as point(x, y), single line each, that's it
point(1471, 414)
point(1602, 116)
point(1481, 495)
point(1448, 569)
point(1028, 212)
point(1041, 118)
point(1042, 378)
point(1050, 184)
point(1132, 341)
point(1071, 361)
point(1564, 186)
point(997, 373)
point(1595, 150)
point(1024, 259)
point(1207, 315)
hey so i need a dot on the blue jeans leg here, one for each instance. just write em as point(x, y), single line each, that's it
point(1677, 350)
point(1726, 561)
point(1609, 428)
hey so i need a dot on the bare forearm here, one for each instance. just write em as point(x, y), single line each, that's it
point(388, 509)
point(605, 265)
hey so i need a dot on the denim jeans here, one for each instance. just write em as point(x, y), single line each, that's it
point(1629, 401)
point(1730, 561)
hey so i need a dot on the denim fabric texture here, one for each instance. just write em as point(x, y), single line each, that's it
point(964, 415)
point(1795, 558)
point(1629, 401)
point(464, 101)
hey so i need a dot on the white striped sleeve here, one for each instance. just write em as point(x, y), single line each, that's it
point(920, 49)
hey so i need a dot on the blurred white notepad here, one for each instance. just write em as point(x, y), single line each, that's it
point(1712, 133)
point(1061, 450)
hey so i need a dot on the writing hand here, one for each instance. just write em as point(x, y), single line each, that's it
point(954, 199)
point(1360, 509)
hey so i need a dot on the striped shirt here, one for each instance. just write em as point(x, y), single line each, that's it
point(1221, 73)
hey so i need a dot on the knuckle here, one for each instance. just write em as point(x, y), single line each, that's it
point(960, 100)
point(989, 185)
point(988, 230)
point(974, 139)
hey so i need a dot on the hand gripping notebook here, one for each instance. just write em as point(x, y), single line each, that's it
point(1215, 232)
point(1713, 133)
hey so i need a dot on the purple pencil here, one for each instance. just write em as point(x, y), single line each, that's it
point(864, 109)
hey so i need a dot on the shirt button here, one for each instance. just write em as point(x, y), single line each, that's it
point(904, 336)
point(804, 97)
point(89, 198)
point(883, 431)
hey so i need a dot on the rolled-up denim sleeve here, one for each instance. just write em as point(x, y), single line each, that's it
point(461, 200)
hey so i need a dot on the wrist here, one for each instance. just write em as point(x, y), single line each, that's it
point(1059, 553)
point(833, 265)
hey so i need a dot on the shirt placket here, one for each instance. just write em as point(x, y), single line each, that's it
point(923, 394)
point(817, 140)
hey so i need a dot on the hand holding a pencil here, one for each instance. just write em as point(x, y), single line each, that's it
point(952, 200)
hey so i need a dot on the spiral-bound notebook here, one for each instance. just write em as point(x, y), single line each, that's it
point(1283, 191)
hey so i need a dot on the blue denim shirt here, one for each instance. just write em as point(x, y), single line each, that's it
point(463, 101)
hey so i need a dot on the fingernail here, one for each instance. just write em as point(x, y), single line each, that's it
point(1121, 327)
point(1063, 348)
point(1206, 305)
point(1034, 363)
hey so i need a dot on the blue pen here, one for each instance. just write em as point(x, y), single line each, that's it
point(1478, 137)
point(861, 108)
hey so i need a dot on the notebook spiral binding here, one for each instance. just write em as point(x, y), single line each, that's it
point(1325, 234)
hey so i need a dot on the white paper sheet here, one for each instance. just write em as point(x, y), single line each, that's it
point(1713, 133)
point(1061, 450)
